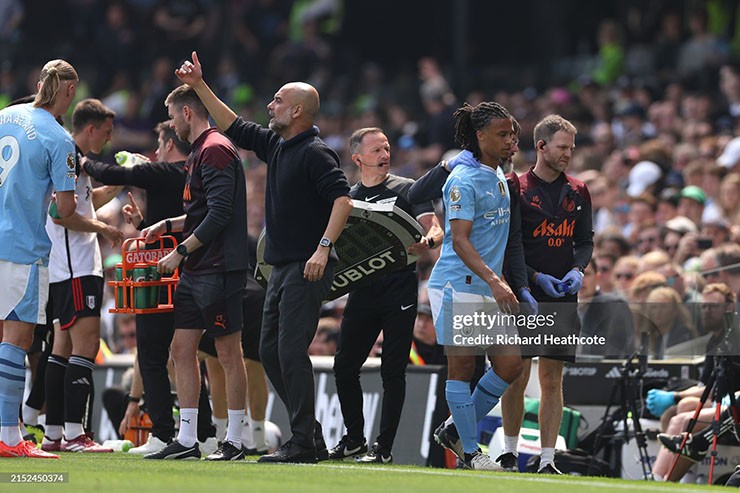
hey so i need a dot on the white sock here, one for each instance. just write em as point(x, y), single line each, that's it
point(188, 434)
point(73, 430)
point(11, 435)
point(30, 415)
point(234, 432)
point(511, 444)
point(448, 421)
point(247, 439)
point(220, 428)
point(53, 432)
point(547, 456)
point(258, 434)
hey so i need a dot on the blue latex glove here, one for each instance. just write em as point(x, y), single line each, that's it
point(725, 401)
point(525, 296)
point(548, 284)
point(465, 158)
point(659, 400)
point(574, 280)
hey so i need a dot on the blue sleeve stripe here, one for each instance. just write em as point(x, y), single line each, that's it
point(11, 364)
point(17, 378)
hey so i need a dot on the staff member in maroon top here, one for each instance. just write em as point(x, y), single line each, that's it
point(209, 293)
point(558, 242)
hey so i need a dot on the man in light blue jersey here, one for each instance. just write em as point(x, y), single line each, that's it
point(466, 289)
point(36, 156)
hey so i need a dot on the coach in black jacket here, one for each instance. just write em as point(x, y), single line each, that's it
point(307, 204)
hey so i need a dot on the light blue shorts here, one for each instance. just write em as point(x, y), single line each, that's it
point(24, 293)
point(466, 320)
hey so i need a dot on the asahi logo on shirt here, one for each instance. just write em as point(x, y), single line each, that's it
point(547, 228)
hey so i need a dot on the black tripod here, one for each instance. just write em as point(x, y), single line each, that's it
point(624, 392)
point(718, 384)
point(721, 382)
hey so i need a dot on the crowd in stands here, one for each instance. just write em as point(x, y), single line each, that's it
point(658, 119)
point(657, 113)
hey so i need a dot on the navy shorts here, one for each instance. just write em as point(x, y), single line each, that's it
point(252, 305)
point(554, 342)
point(210, 301)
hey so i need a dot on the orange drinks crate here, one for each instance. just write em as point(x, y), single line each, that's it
point(137, 285)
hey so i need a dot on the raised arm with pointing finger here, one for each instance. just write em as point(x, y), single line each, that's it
point(191, 74)
point(306, 207)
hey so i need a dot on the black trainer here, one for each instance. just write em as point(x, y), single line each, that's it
point(291, 453)
point(695, 448)
point(227, 451)
point(176, 451)
point(253, 451)
point(447, 437)
point(734, 480)
point(347, 448)
point(550, 469)
point(508, 461)
point(376, 455)
point(322, 453)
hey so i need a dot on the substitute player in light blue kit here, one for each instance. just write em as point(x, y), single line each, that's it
point(36, 155)
point(467, 279)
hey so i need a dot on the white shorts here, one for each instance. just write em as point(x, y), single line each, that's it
point(24, 293)
point(466, 319)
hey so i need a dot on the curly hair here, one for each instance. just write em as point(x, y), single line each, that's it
point(469, 119)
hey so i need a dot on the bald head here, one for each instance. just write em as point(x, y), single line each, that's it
point(293, 109)
point(305, 95)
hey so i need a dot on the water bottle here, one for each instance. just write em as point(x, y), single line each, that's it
point(119, 445)
point(119, 289)
point(128, 159)
point(141, 294)
point(153, 275)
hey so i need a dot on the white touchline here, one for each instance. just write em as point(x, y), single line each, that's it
point(628, 484)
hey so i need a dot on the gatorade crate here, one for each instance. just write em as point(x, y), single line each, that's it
point(137, 285)
point(138, 429)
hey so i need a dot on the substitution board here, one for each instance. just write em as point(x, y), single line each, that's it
point(374, 242)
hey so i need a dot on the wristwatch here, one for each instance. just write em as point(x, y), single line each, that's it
point(182, 249)
point(325, 242)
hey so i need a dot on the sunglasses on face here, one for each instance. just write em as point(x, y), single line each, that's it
point(624, 275)
point(650, 239)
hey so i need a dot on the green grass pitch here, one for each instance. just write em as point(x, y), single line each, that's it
point(122, 473)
